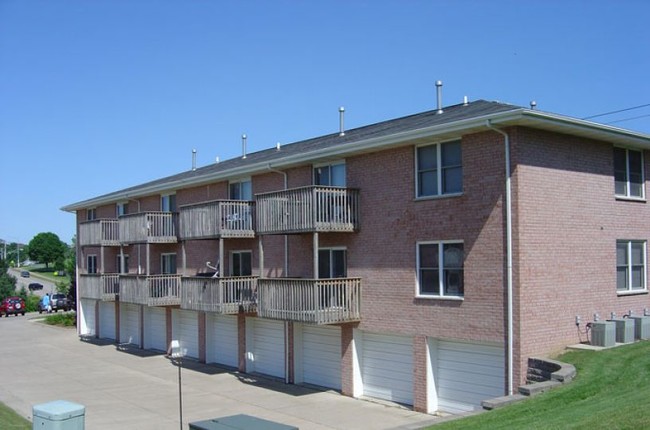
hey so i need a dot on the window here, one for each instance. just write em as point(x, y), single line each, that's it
point(332, 263)
point(118, 261)
point(91, 214)
point(168, 264)
point(439, 169)
point(122, 208)
point(628, 173)
point(440, 269)
point(91, 264)
point(241, 263)
point(332, 175)
point(241, 190)
point(168, 203)
point(630, 265)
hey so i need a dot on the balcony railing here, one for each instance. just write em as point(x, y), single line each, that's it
point(222, 295)
point(308, 209)
point(316, 301)
point(148, 227)
point(152, 290)
point(222, 218)
point(100, 232)
point(99, 287)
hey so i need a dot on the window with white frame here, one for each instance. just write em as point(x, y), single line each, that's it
point(332, 175)
point(91, 264)
point(168, 264)
point(440, 269)
point(630, 265)
point(332, 263)
point(118, 263)
point(240, 190)
point(168, 203)
point(241, 263)
point(628, 173)
point(122, 208)
point(439, 169)
point(91, 214)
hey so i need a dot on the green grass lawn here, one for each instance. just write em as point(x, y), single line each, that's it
point(11, 420)
point(610, 391)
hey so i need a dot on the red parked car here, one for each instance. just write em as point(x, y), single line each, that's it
point(12, 305)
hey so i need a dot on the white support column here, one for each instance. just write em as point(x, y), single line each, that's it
point(315, 250)
point(146, 269)
point(260, 246)
point(221, 251)
point(184, 257)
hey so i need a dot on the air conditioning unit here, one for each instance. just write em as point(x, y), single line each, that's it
point(603, 333)
point(641, 327)
point(624, 330)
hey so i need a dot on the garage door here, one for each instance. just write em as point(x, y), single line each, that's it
point(321, 356)
point(467, 374)
point(87, 317)
point(107, 320)
point(155, 328)
point(185, 328)
point(222, 340)
point(130, 323)
point(265, 347)
point(387, 367)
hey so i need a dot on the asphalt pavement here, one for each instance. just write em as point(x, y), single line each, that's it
point(129, 388)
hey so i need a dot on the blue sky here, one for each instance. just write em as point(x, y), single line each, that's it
point(100, 95)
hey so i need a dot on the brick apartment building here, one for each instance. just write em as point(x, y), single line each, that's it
point(420, 260)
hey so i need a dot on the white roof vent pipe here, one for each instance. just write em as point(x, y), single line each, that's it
point(277, 146)
point(533, 104)
point(341, 118)
point(193, 159)
point(439, 95)
point(243, 146)
point(465, 100)
point(216, 160)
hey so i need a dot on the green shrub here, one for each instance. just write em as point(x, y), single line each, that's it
point(68, 319)
point(31, 303)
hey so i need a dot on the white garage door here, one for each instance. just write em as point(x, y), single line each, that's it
point(87, 317)
point(265, 347)
point(387, 367)
point(130, 323)
point(467, 374)
point(107, 320)
point(185, 328)
point(321, 356)
point(155, 328)
point(222, 340)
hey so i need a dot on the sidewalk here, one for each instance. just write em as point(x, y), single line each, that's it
point(136, 389)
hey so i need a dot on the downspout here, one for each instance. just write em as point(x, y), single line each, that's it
point(286, 274)
point(508, 253)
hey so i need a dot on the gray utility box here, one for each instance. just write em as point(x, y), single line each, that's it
point(603, 333)
point(58, 415)
point(641, 327)
point(624, 330)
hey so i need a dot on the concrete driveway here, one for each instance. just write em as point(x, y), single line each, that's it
point(135, 389)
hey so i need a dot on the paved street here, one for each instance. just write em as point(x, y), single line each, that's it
point(137, 390)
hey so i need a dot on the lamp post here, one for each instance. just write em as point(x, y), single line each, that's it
point(176, 353)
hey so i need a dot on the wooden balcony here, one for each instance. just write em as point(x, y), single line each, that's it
point(221, 295)
point(100, 232)
point(212, 220)
point(152, 290)
point(315, 301)
point(149, 227)
point(99, 287)
point(308, 209)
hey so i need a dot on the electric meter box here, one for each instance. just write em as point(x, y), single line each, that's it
point(58, 415)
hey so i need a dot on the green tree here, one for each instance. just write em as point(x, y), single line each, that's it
point(70, 266)
point(7, 282)
point(47, 248)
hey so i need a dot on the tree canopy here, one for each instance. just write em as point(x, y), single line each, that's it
point(47, 248)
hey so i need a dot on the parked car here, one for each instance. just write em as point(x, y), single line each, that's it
point(12, 305)
point(24, 274)
point(59, 301)
point(35, 286)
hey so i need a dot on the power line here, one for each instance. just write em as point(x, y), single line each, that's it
point(628, 119)
point(617, 111)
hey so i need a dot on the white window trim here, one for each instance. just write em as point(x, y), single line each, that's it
point(627, 168)
point(337, 248)
point(162, 256)
point(162, 196)
point(441, 296)
point(119, 263)
point(631, 291)
point(88, 258)
point(240, 181)
point(91, 211)
point(332, 163)
point(117, 207)
point(238, 251)
point(440, 194)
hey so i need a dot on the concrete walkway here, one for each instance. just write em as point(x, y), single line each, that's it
point(135, 389)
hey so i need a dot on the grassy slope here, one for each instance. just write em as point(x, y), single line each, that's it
point(12, 421)
point(611, 390)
